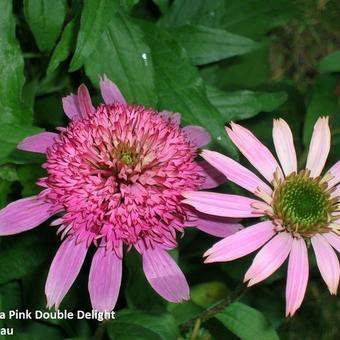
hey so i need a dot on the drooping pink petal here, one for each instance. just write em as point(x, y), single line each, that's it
point(213, 177)
point(269, 258)
point(105, 279)
point(241, 243)
point(223, 205)
point(235, 172)
point(85, 102)
point(164, 275)
point(175, 117)
point(256, 153)
point(213, 225)
point(24, 214)
point(319, 147)
point(297, 276)
point(110, 91)
point(334, 172)
point(333, 239)
point(327, 262)
point(38, 143)
point(64, 270)
point(71, 107)
point(197, 135)
point(284, 146)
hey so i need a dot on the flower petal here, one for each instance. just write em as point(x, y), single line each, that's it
point(241, 243)
point(213, 178)
point(235, 172)
point(224, 205)
point(71, 107)
point(197, 135)
point(64, 270)
point(319, 147)
point(333, 239)
point(174, 117)
point(85, 102)
point(269, 258)
point(164, 275)
point(38, 143)
point(110, 91)
point(327, 262)
point(334, 172)
point(284, 146)
point(213, 225)
point(105, 279)
point(297, 276)
point(24, 214)
point(256, 153)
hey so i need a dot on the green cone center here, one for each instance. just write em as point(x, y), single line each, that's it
point(302, 204)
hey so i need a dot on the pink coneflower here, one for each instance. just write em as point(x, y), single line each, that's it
point(116, 173)
point(300, 207)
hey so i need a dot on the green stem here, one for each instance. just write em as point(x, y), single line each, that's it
point(100, 331)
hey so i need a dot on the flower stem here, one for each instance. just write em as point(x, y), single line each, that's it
point(214, 309)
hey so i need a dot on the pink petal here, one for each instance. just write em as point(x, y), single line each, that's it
point(213, 178)
point(38, 143)
point(24, 214)
point(63, 271)
point(71, 107)
point(284, 146)
point(197, 135)
point(235, 172)
point(164, 275)
point(297, 276)
point(85, 102)
point(110, 91)
point(213, 225)
point(224, 205)
point(175, 117)
point(327, 262)
point(333, 239)
point(319, 147)
point(334, 172)
point(105, 279)
point(241, 243)
point(269, 258)
point(256, 153)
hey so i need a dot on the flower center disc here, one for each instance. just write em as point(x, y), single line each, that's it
point(303, 204)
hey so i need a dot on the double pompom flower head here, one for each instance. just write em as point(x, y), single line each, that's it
point(117, 175)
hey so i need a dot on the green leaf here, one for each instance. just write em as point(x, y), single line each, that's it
point(205, 45)
point(331, 63)
point(95, 16)
point(130, 325)
point(252, 18)
point(238, 105)
point(323, 101)
point(11, 71)
point(246, 322)
point(45, 19)
point(64, 47)
point(127, 61)
point(28, 175)
point(207, 293)
point(163, 5)
point(180, 88)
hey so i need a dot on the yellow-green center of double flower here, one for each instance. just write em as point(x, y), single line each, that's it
point(303, 204)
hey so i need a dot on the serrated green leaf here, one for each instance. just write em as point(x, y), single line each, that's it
point(130, 325)
point(206, 45)
point(238, 105)
point(180, 88)
point(64, 46)
point(45, 19)
point(127, 61)
point(330, 63)
point(95, 16)
point(11, 71)
point(246, 322)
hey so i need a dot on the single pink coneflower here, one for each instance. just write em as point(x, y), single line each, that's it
point(300, 208)
point(116, 173)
